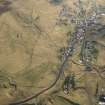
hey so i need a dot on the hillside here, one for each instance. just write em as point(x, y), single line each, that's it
point(32, 34)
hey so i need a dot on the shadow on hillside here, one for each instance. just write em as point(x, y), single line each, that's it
point(5, 6)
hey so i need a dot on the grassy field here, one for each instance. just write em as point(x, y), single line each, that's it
point(29, 47)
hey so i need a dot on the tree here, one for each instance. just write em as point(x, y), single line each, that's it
point(56, 1)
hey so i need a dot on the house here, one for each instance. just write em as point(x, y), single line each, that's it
point(102, 100)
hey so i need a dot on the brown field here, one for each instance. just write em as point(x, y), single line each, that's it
point(29, 53)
